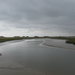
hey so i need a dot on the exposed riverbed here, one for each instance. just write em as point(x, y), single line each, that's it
point(58, 43)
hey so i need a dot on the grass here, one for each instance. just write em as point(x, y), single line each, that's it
point(13, 38)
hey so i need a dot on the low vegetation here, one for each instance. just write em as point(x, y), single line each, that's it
point(13, 38)
point(4, 39)
point(68, 39)
point(71, 41)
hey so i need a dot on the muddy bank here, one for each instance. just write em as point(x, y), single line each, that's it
point(58, 43)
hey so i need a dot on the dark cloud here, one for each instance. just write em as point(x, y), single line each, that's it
point(45, 15)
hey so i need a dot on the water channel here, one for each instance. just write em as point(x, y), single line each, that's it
point(47, 59)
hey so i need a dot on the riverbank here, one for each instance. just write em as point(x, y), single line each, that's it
point(13, 38)
point(18, 38)
point(70, 40)
point(59, 44)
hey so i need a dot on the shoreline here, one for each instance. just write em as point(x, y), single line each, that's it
point(12, 41)
point(57, 46)
point(44, 43)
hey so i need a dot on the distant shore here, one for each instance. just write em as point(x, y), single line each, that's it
point(11, 39)
point(58, 43)
point(4, 39)
point(70, 40)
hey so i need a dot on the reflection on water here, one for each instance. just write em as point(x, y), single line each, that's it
point(50, 60)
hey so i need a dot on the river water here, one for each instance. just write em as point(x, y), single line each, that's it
point(50, 60)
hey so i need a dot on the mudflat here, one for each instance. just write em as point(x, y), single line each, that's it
point(8, 67)
point(59, 43)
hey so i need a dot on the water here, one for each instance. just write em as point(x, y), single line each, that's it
point(50, 60)
point(59, 43)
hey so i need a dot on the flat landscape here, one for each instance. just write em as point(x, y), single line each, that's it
point(38, 35)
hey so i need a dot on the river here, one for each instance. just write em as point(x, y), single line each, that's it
point(47, 59)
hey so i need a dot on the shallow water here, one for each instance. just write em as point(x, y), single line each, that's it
point(50, 60)
point(59, 43)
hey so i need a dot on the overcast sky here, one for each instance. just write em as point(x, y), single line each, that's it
point(37, 17)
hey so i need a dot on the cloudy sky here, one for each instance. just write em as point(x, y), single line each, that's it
point(37, 17)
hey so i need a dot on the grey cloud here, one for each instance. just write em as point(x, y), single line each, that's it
point(42, 14)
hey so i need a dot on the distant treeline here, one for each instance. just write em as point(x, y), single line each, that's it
point(68, 39)
point(13, 38)
point(4, 39)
